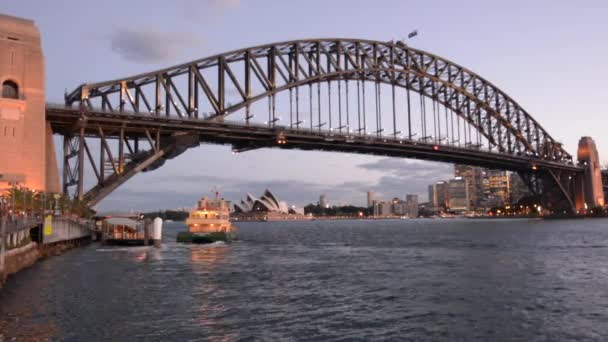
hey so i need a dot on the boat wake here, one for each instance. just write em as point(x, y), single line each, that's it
point(126, 249)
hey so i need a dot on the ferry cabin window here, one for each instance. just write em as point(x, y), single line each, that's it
point(10, 90)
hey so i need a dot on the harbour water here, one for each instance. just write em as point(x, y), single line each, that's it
point(457, 280)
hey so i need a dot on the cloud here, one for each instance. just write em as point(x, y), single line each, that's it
point(410, 169)
point(208, 11)
point(398, 177)
point(225, 4)
point(184, 191)
point(150, 46)
point(402, 176)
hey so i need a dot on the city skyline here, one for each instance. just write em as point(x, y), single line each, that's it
point(118, 49)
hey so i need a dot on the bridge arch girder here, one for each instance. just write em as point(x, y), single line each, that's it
point(292, 64)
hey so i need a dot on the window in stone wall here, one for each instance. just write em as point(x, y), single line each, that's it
point(10, 90)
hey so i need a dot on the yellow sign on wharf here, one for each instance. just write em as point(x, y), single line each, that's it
point(48, 225)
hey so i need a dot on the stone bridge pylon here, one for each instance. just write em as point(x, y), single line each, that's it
point(27, 152)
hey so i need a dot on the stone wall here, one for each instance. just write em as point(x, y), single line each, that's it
point(19, 258)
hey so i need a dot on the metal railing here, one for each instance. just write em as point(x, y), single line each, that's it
point(22, 223)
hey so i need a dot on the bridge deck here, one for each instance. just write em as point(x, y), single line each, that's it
point(65, 120)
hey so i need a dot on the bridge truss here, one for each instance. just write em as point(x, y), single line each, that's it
point(360, 96)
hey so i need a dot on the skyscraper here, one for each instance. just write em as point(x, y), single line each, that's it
point(370, 199)
point(438, 195)
point(383, 208)
point(411, 201)
point(459, 194)
point(474, 176)
point(499, 186)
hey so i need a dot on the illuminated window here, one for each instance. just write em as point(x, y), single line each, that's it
point(10, 90)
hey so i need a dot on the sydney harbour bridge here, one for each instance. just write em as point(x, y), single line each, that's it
point(342, 95)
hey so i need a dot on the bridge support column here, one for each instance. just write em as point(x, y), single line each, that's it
point(589, 189)
point(27, 154)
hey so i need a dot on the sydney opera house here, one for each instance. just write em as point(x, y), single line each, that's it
point(265, 207)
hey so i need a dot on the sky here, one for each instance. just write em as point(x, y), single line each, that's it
point(547, 55)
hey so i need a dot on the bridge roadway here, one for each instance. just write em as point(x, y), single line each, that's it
point(67, 120)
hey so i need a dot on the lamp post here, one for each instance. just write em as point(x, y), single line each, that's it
point(43, 205)
point(2, 237)
point(56, 196)
point(13, 186)
point(27, 201)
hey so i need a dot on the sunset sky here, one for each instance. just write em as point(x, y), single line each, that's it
point(544, 54)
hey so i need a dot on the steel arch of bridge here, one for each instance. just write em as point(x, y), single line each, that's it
point(263, 72)
point(498, 117)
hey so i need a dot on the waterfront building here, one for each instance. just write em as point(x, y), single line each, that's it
point(268, 202)
point(459, 194)
point(323, 201)
point(438, 196)
point(474, 177)
point(370, 199)
point(399, 207)
point(412, 205)
point(266, 207)
point(383, 208)
point(499, 186)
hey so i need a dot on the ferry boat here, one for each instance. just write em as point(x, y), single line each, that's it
point(209, 222)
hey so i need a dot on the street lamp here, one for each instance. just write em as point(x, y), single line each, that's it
point(13, 187)
point(56, 196)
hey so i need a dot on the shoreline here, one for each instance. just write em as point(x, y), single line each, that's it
point(23, 257)
point(353, 218)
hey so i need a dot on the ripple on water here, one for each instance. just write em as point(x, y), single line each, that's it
point(327, 280)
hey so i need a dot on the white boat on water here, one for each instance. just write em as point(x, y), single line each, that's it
point(210, 216)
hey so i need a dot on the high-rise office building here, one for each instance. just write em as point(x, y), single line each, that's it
point(459, 194)
point(399, 207)
point(383, 208)
point(474, 177)
point(370, 199)
point(411, 202)
point(499, 186)
point(438, 195)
